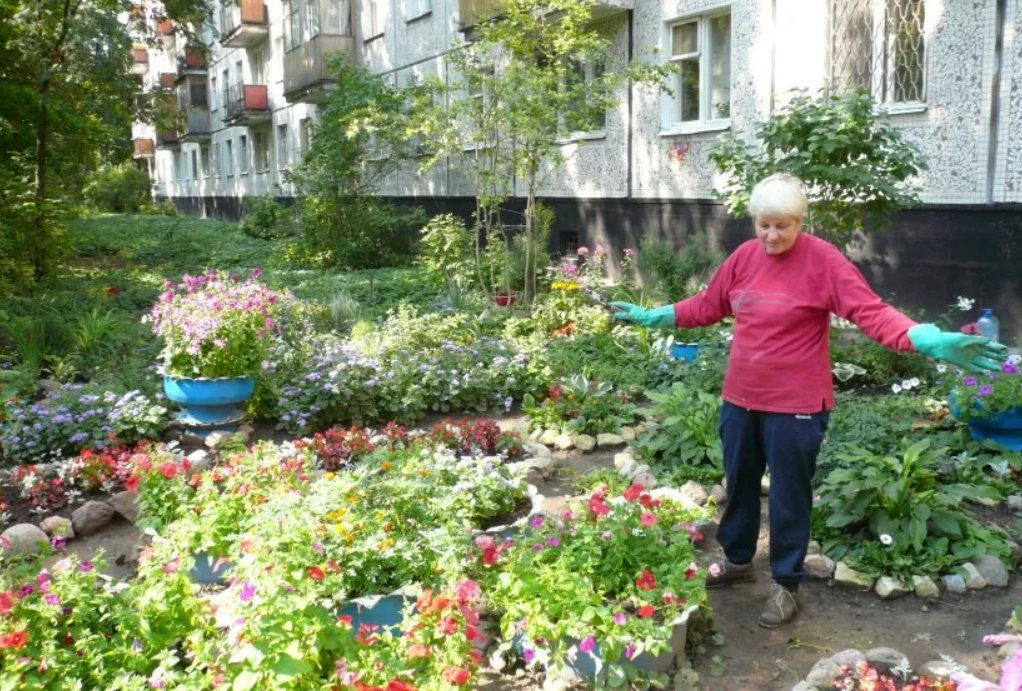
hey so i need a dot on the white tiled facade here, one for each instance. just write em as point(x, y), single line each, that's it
point(968, 123)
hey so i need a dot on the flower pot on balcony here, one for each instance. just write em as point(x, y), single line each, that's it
point(209, 404)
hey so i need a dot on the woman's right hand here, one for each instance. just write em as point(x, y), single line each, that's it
point(656, 318)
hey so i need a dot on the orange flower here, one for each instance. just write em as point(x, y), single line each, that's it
point(418, 650)
point(15, 639)
point(646, 611)
point(316, 573)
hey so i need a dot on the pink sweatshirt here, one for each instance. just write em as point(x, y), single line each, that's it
point(780, 360)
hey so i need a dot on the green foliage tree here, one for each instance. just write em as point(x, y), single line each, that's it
point(518, 91)
point(119, 188)
point(856, 166)
point(363, 136)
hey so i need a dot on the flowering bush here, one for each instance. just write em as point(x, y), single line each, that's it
point(990, 395)
point(475, 437)
point(78, 417)
point(216, 325)
point(866, 678)
point(338, 447)
point(161, 480)
point(44, 492)
point(611, 577)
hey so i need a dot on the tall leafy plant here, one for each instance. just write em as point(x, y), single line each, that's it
point(857, 167)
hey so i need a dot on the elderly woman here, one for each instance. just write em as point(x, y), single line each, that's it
point(781, 288)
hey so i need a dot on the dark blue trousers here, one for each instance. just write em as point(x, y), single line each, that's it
point(787, 444)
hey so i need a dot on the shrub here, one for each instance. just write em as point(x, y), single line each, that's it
point(579, 407)
point(683, 436)
point(674, 275)
point(121, 189)
point(986, 396)
point(164, 207)
point(266, 219)
point(445, 250)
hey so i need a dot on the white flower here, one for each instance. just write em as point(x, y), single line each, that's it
point(915, 381)
point(906, 384)
point(942, 368)
point(886, 539)
point(896, 388)
point(1014, 359)
point(714, 570)
point(965, 304)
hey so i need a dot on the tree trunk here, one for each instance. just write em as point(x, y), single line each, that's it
point(42, 133)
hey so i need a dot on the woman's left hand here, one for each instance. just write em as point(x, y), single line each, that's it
point(657, 317)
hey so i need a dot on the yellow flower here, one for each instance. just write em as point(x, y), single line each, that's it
point(386, 544)
point(337, 514)
point(349, 538)
point(423, 472)
point(329, 476)
point(385, 465)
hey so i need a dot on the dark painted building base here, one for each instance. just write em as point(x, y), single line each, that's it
point(923, 262)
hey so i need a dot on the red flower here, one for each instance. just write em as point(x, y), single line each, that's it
point(448, 626)
point(344, 619)
point(649, 502)
point(477, 657)
point(690, 572)
point(633, 492)
point(471, 633)
point(647, 519)
point(6, 603)
point(168, 470)
point(398, 685)
point(646, 611)
point(418, 650)
point(333, 566)
point(425, 601)
point(457, 676)
point(646, 581)
point(15, 639)
point(316, 573)
point(597, 507)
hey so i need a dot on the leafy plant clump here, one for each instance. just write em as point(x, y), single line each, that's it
point(683, 436)
point(577, 406)
point(120, 189)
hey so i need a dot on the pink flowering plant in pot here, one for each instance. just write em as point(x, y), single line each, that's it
point(216, 324)
point(607, 585)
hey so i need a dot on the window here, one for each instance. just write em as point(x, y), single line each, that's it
point(700, 49)
point(224, 86)
point(878, 46)
point(257, 64)
point(373, 19)
point(282, 159)
point(304, 135)
point(243, 154)
point(204, 159)
point(304, 19)
point(229, 159)
point(418, 8)
point(260, 151)
point(216, 160)
point(195, 164)
point(212, 95)
point(582, 72)
point(179, 173)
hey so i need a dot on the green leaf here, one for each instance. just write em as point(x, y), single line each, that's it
point(947, 522)
point(246, 680)
point(287, 666)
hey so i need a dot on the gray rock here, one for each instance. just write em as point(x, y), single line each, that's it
point(647, 480)
point(563, 442)
point(627, 468)
point(214, 439)
point(49, 385)
point(124, 503)
point(539, 451)
point(535, 434)
point(628, 434)
point(924, 586)
point(814, 548)
point(1015, 502)
point(58, 525)
point(849, 658)
point(250, 430)
point(24, 539)
point(823, 674)
point(639, 470)
point(847, 576)
point(819, 566)
point(640, 430)
point(623, 457)
point(548, 437)
point(802, 686)
point(992, 570)
point(936, 669)
point(719, 494)
point(886, 659)
point(584, 442)
point(1008, 649)
point(694, 491)
point(973, 578)
point(91, 517)
point(888, 588)
point(200, 460)
point(953, 583)
point(609, 440)
point(764, 486)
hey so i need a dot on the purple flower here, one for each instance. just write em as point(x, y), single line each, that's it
point(985, 390)
point(247, 591)
point(136, 645)
point(51, 599)
point(25, 590)
point(620, 618)
point(538, 547)
point(1009, 368)
point(969, 381)
point(155, 683)
point(553, 542)
point(58, 542)
point(588, 644)
point(607, 535)
point(629, 651)
point(85, 566)
point(528, 655)
point(536, 521)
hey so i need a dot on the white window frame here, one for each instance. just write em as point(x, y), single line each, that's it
point(283, 150)
point(671, 123)
point(212, 94)
point(204, 161)
point(215, 160)
point(374, 23)
point(416, 9)
point(243, 154)
point(482, 94)
point(590, 67)
point(195, 164)
point(260, 152)
point(229, 159)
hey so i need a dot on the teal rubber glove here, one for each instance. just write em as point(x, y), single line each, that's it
point(972, 353)
point(655, 318)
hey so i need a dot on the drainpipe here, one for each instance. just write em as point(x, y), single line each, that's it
point(630, 121)
point(995, 98)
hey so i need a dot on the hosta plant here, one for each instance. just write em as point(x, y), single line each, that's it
point(683, 435)
point(579, 406)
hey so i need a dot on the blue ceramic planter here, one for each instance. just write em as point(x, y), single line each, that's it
point(209, 403)
point(383, 611)
point(203, 572)
point(686, 352)
point(1004, 428)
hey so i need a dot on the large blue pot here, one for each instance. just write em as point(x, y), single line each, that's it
point(203, 572)
point(685, 352)
point(210, 403)
point(384, 611)
point(1004, 428)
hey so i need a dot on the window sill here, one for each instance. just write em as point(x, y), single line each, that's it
point(412, 20)
point(370, 39)
point(909, 108)
point(576, 137)
point(682, 129)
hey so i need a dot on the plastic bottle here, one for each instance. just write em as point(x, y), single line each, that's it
point(988, 326)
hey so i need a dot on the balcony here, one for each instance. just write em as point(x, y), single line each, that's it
point(306, 77)
point(243, 23)
point(168, 139)
point(472, 12)
point(193, 100)
point(168, 80)
point(246, 104)
point(190, 61)
point(164, 27)
point(139, 60)
point(144, 148)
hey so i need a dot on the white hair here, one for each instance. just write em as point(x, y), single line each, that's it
point(779, 195)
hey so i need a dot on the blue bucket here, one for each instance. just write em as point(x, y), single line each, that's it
point(1003, 428)
point(384, 612)
point(685, 352)
point(203, 572)
point(210, 403)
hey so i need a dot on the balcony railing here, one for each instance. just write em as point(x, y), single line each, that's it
point(165, 27)
point(190, 60)
point(246, 103)
point(144, 148)
point(167, 139)
point(196, 125)
point(168, 80)
point(139, 60)
point(306, 77)
point(243, 22)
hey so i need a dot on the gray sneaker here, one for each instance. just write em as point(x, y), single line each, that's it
point(780, 608)
point(728, 574)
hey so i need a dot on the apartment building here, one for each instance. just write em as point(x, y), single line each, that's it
point(947, 72)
